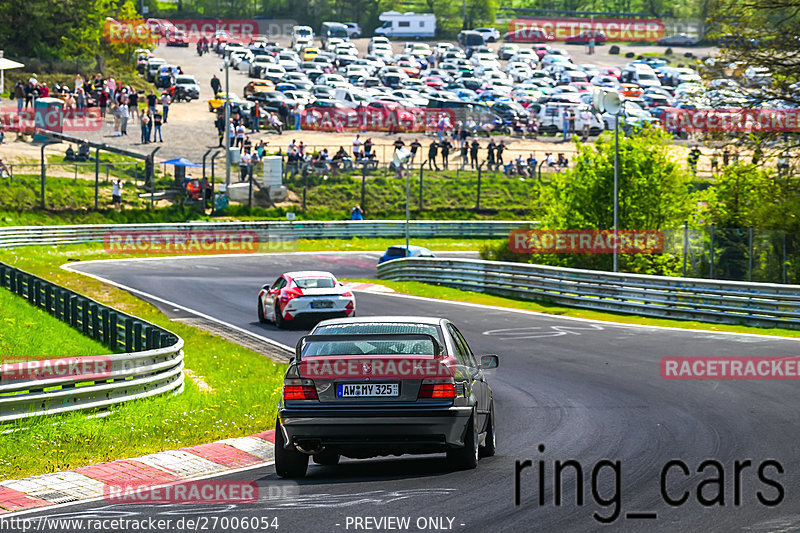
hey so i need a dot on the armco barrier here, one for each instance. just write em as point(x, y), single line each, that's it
point(756, 304)
point(152, 362)
point(276, 230)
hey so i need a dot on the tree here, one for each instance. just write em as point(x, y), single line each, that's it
point(654, 194)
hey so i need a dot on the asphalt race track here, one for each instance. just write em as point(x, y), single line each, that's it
point(587, 391)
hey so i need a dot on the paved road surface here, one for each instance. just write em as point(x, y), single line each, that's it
point(585, 390)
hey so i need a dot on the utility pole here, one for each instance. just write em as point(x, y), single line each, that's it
point(227, 127)
point(464, 14)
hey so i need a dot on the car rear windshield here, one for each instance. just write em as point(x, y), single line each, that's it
point(371, 347)
point(315, 283)
point(396, 252)
point(415, 346)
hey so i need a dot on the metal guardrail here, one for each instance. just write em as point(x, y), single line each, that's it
point(278, 230)
point(152, 362)
point(730, 302)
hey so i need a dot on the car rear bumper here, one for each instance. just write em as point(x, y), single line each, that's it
point(396, 429)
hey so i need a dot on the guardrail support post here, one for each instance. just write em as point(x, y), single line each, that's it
point(128, 334)
point(112, 330)
point(95, 321)
point(104, 318)
point(137, 336)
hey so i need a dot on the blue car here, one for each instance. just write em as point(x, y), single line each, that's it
point(398, 251)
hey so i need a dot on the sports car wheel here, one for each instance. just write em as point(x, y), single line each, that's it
point(261, 312)
point(279, 316)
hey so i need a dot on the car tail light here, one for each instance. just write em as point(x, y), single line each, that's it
point(299, 389)
point(437, 390)
point(347, 294)
point(291, 294)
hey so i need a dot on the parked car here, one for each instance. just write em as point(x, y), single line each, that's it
point(490, 35)
point(258, 86)
point(189, 85)
point(353, 30)
point(678, 39)
point(585, 36)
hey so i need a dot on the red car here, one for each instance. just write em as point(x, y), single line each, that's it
point(528, 35)
point(409, 68)
point(541, 49)
point(611, 71)
point(433, 81)
point(309, 294)
point(582, 86)
point(584, 37)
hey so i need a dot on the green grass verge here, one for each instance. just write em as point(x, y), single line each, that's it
point(426, 290)
point(27, 333)
point(230, 391)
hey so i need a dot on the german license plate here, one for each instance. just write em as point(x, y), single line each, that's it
point(322, 304)
point(366, 390)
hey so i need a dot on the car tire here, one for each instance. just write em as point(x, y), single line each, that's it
point(466, 457)
point(326, 458)
point(288, 463)
point(279, 321)
point(490, 443)
point(261, 317)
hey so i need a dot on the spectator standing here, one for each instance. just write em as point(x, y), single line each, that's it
point(565, 123)
point(247, 145)
point(586, 120)
point(367, 148)
point(357, 148)
point(500, 148)
point(157, 121)
point(490, 155)
point(19, 94)
point(124, 116)
point(116, 194)
point(216, 85)
point(165, 101)
point(464, 154)
point(244, 165)
point(694, 157)
point(102, 101)
point(474, 148)
point(446, 147)
point(240, 135)
point(415, 145)
point(144, 121)
point(356, 213)
point(255, 118)
point(151, 102)
point(433, 151)
point(133, 104)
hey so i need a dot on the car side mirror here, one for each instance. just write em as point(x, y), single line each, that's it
point(489, 361)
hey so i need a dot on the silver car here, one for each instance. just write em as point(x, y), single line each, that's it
point(376, 386)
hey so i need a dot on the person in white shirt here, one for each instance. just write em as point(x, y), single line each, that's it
point(245, 160)
point(357, 148)
point(276, 123)
point(165, 101)
point(240, 130)
point(124, 116)
point(586, 119)
point(116, 194)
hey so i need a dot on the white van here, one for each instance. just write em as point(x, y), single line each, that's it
point(302, 33)
point(550, 116)
point(351, 97)
point(396, 24)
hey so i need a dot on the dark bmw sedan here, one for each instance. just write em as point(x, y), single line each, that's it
point(376, 386)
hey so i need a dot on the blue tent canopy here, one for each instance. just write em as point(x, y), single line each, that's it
point(181, 162)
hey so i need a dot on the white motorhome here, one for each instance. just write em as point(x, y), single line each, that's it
point(404, 25)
